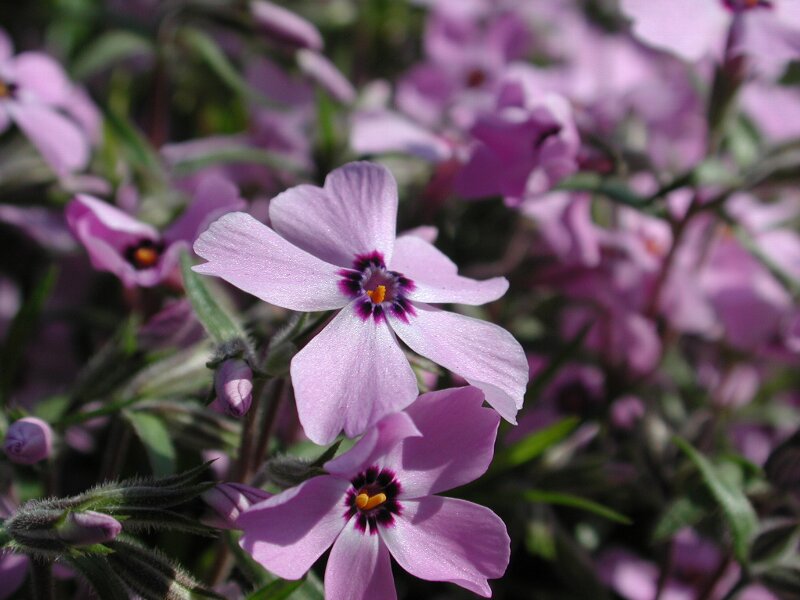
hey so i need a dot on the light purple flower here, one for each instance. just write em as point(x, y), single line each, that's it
point(88, 527)
point(378, 500)
point(524, 147)
point(34, 94)
point(286, 26)
point(324, 72)
point(136, 252)
point(229, 500)
point(28, 441)
point(692, 29)
point(233, 383)
point(335, 248)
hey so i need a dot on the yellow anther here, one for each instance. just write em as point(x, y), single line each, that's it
point(145, 257)
point(366, 502)
point(5, 91)
point(377, 295)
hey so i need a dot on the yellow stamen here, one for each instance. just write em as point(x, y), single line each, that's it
point(377, 295)
point(5, 90)
point(366, 502)
point(145, 257)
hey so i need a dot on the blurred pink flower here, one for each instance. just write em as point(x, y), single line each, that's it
point(136, 252)
point(378, 500)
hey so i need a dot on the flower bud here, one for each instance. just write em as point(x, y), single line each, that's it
point(88, 527)
point(229, 500)
point(28, 441)
point(234, 387)
point(626, 411)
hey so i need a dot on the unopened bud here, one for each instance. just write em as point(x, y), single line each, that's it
point(88, 527)
point(234, 386)
point(229, 500)
point(28, 441)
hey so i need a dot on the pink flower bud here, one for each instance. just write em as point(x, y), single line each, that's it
point(229, 500)
point(626, 411)
point(28, 441)
point(234, 386)
point(89, 527)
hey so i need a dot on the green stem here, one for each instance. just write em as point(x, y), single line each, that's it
point(42, 584)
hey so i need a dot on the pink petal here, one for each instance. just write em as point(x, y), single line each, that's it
point(326, 75)
point(285, 25)
point(444, 539)
point(110, 217)
point(6, 46)
point(13, 572)
point(380, 132)
point(254, 258)
point(43, 77)
point(214, 197)
point(377, 441)
point(359, 568)
point(486, 355)
point(689, 28)
point(287, 533)
point(355, 213)
point(351, 375)
point(456, 445)
point(436, 277)
point(57, 138)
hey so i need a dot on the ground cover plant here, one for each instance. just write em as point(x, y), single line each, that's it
point(377, 299)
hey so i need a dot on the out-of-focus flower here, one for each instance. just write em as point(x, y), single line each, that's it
point(324, 72)
point(88, 527)
point(285, 26)
point(34, 94)
point(524, 147)
point(28, 441)
point(233, 382)
point(335, 248)
point(693, 29)
point(378, 500)
point(229, 500)
point(136, 252)
point(626, 411)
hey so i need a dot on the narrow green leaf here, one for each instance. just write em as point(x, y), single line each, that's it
point(276, 590)
point(215, 320)
point(110, 48)
point(562, 499)
point(534, 445)
point(101, 576)
point(784, 581)
point(684, 512)
point(136, 148)
point(238, 154)
point(156, 439)
point(613, 190)
point(206, 48)
point(739, 514)
point(775, 542)
point(21, 330)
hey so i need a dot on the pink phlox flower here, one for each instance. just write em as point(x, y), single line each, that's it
point(334, 248)
point(378, 500)
point(137, 252)
point(767, 30)
point(523, 147)
point(58, 119)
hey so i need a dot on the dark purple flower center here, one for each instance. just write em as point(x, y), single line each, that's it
point(376, 288)
point(741, 5)
point(373, 499)
point(475, 78)
point(144, 254)
point(7, 89)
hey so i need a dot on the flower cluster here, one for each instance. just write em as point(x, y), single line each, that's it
point(378, 300)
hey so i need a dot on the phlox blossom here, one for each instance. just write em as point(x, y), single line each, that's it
point(378, 500)
point(335, 248)
point(137, 252)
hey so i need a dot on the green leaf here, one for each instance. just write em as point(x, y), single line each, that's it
point(21, 329)
point(534, 445)
point(562, 499)
point(595, 184)
point(205, 48)
point(219, 325)
point(279, 589)
point(784, 581)
point(108, 49)
point(683, 512)
point(239, 154)
point(99, 573)
point(739, 514)
point(135, 147)
point(776, 542)
point(156, 439)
